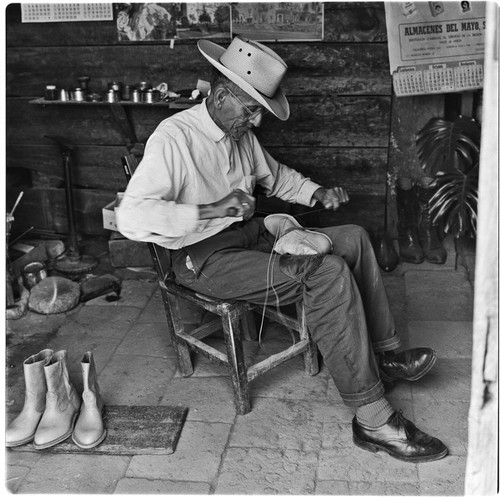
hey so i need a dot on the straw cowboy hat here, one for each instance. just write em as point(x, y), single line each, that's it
point(256, 69)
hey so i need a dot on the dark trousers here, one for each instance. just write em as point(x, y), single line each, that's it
point(346, 306)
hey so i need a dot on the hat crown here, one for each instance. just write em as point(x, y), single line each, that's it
point(256, 64)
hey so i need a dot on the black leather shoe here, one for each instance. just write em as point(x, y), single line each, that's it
point(408, 365)
point(400, 438)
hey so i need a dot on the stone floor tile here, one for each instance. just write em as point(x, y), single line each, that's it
point(450, 339)
point(290, 381)
point(447, 474)
point(154, 310)
point(102, 348)
point(18, 465)
point(329, 487)
point(267, 471)
point(134, 293)
point(447, 421)
point(196, 459)
point(208, 399)
point(442, 488)
point(147, 338)
point(448, 380)
point(332, 487)
point(135, 380)
point(278, 423)
point(113, 322)
point(75, 474)
point(438, 296)
point(165, 487)
point(357, 465)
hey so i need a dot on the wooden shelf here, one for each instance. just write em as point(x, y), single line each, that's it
point(178, 103)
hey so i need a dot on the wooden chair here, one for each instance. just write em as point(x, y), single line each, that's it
point(236, 321)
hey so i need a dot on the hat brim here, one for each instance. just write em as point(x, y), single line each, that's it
point(278, 105)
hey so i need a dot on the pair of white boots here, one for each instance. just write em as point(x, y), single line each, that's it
point(52, 405)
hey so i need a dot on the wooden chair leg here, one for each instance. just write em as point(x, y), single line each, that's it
point(311, 353)
point(175, 324)
point(249, 326)
point(234, 347)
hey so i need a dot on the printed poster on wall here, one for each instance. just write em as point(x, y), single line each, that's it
point(436, 47)
point(278, 21)
point(160, 22)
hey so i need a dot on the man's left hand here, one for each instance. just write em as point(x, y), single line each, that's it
point(331, 198)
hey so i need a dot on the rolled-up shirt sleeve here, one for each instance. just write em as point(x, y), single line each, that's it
point(148, 209)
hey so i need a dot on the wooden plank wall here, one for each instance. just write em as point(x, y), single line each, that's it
point(338, 133)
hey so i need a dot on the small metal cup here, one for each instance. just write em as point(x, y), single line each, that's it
point(33, 273)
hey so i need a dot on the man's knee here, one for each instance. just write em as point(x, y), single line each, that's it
point(306, 268)
point(358, 234)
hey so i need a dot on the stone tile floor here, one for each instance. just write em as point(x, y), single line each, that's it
point(296, 440)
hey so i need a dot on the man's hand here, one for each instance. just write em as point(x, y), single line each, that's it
point(236, 204)
point(331, 198)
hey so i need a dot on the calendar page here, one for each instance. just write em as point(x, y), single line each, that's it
point(435, 47)
point(64, 12)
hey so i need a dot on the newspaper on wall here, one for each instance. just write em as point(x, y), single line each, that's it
point(436, 47)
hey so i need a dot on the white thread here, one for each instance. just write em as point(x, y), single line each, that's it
point(270, 284)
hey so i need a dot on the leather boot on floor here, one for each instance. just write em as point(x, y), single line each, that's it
point(22, 429)
point(61, 405)
point(410, 249)
point(383, 247)
point(89, 429)
point(430, 241)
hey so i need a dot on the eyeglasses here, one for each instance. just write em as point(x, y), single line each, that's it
point(251, 114)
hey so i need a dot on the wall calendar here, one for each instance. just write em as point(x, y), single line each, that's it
point(66, 12)
point(435, 47)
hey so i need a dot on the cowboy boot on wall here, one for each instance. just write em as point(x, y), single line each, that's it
point(410, 249)
point(434, 252)
point(22, 429)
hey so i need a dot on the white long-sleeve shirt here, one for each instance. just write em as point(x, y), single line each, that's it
point(189, 161)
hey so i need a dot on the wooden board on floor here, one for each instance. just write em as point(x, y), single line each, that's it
point(132, 430)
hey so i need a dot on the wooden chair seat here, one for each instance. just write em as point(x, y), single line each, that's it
point(235, 320)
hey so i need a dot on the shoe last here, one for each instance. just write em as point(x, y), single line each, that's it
point(292, 238)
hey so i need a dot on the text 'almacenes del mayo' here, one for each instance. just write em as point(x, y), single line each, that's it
point(453, 27)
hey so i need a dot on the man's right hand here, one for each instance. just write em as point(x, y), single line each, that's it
point(236, 204)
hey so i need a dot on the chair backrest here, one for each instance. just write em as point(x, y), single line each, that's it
point(160, 255)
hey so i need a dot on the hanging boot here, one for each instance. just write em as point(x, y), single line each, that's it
point(22, 429)
point(89, 429)
point(430, 241)
point(61, 405)
point(409, 245)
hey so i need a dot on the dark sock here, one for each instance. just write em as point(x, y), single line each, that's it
point(375, 414)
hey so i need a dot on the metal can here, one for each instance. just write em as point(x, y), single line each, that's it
point(33, 273)
point(63, 95)
point(111, 96)
point(77, 95)
point(136, 95)
point(147, 96)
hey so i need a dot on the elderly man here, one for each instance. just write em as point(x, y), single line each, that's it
point(192, 193)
